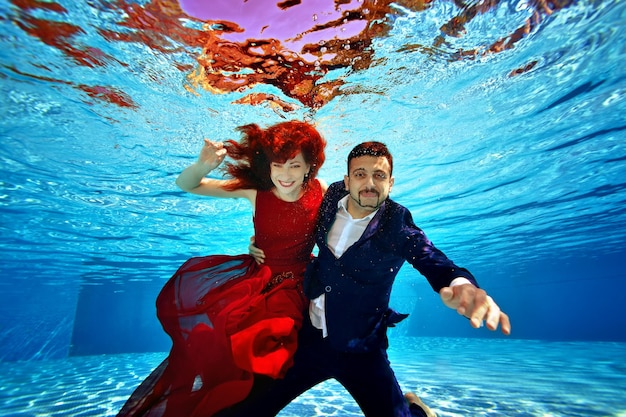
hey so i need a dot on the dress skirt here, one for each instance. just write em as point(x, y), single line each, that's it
point(229, 318)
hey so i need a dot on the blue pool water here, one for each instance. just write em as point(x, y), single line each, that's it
point(509, 137)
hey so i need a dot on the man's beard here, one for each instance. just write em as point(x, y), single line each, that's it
point(358, 201)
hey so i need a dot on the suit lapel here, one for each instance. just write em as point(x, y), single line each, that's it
point(374, 224)
point(327, 217)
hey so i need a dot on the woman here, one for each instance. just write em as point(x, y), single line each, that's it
point(231, 319)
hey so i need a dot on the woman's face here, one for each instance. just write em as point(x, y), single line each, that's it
point(289, 176)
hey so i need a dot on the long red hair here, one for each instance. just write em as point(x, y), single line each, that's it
point(278, 143)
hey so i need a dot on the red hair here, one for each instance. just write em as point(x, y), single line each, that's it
point(278, 143)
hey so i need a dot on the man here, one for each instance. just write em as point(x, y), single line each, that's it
point(364, 238)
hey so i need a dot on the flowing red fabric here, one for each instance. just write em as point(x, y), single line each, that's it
point(227, 321)
point(230, 318)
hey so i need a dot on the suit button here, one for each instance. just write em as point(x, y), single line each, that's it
point(328, 288)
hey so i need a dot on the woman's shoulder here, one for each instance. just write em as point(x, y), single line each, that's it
point(323, 184)
point(315, 189)
point(318, 185)
point(248, 193)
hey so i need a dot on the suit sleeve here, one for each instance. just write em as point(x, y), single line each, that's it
point(432, 263)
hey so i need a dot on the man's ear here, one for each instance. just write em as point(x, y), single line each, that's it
point(391, 183)
point(346, 182)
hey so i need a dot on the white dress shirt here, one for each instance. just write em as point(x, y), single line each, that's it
point(344, 232)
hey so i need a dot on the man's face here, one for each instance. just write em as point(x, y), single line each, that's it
point(369, 183)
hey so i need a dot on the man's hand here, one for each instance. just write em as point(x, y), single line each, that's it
point(256, 253)
point(475, 304)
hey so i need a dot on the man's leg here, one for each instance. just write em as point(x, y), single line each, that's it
point(371, 382)
point(271, 396)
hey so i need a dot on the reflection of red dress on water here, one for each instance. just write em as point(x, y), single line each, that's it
point(230, 318)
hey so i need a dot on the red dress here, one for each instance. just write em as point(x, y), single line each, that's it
point(230, 318)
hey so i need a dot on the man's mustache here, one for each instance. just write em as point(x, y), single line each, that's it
point(369, 190)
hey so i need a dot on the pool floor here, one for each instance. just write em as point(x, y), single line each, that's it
point(455, 377)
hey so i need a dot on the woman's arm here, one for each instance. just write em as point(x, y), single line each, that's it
point(193, 178)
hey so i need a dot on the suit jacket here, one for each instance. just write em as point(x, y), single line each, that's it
point(358, 284)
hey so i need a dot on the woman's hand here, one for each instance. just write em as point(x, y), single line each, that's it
point(211, 155)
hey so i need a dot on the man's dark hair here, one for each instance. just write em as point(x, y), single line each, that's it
point(371, 148)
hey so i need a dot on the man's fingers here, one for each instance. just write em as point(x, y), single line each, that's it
point(466, 303)
point(493, 315)
point(505, 323)
point(482, 308)
point(446, 294)
point(475, 304)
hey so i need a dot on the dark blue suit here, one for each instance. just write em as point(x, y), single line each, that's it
point(358, 284)
point(357, 287)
